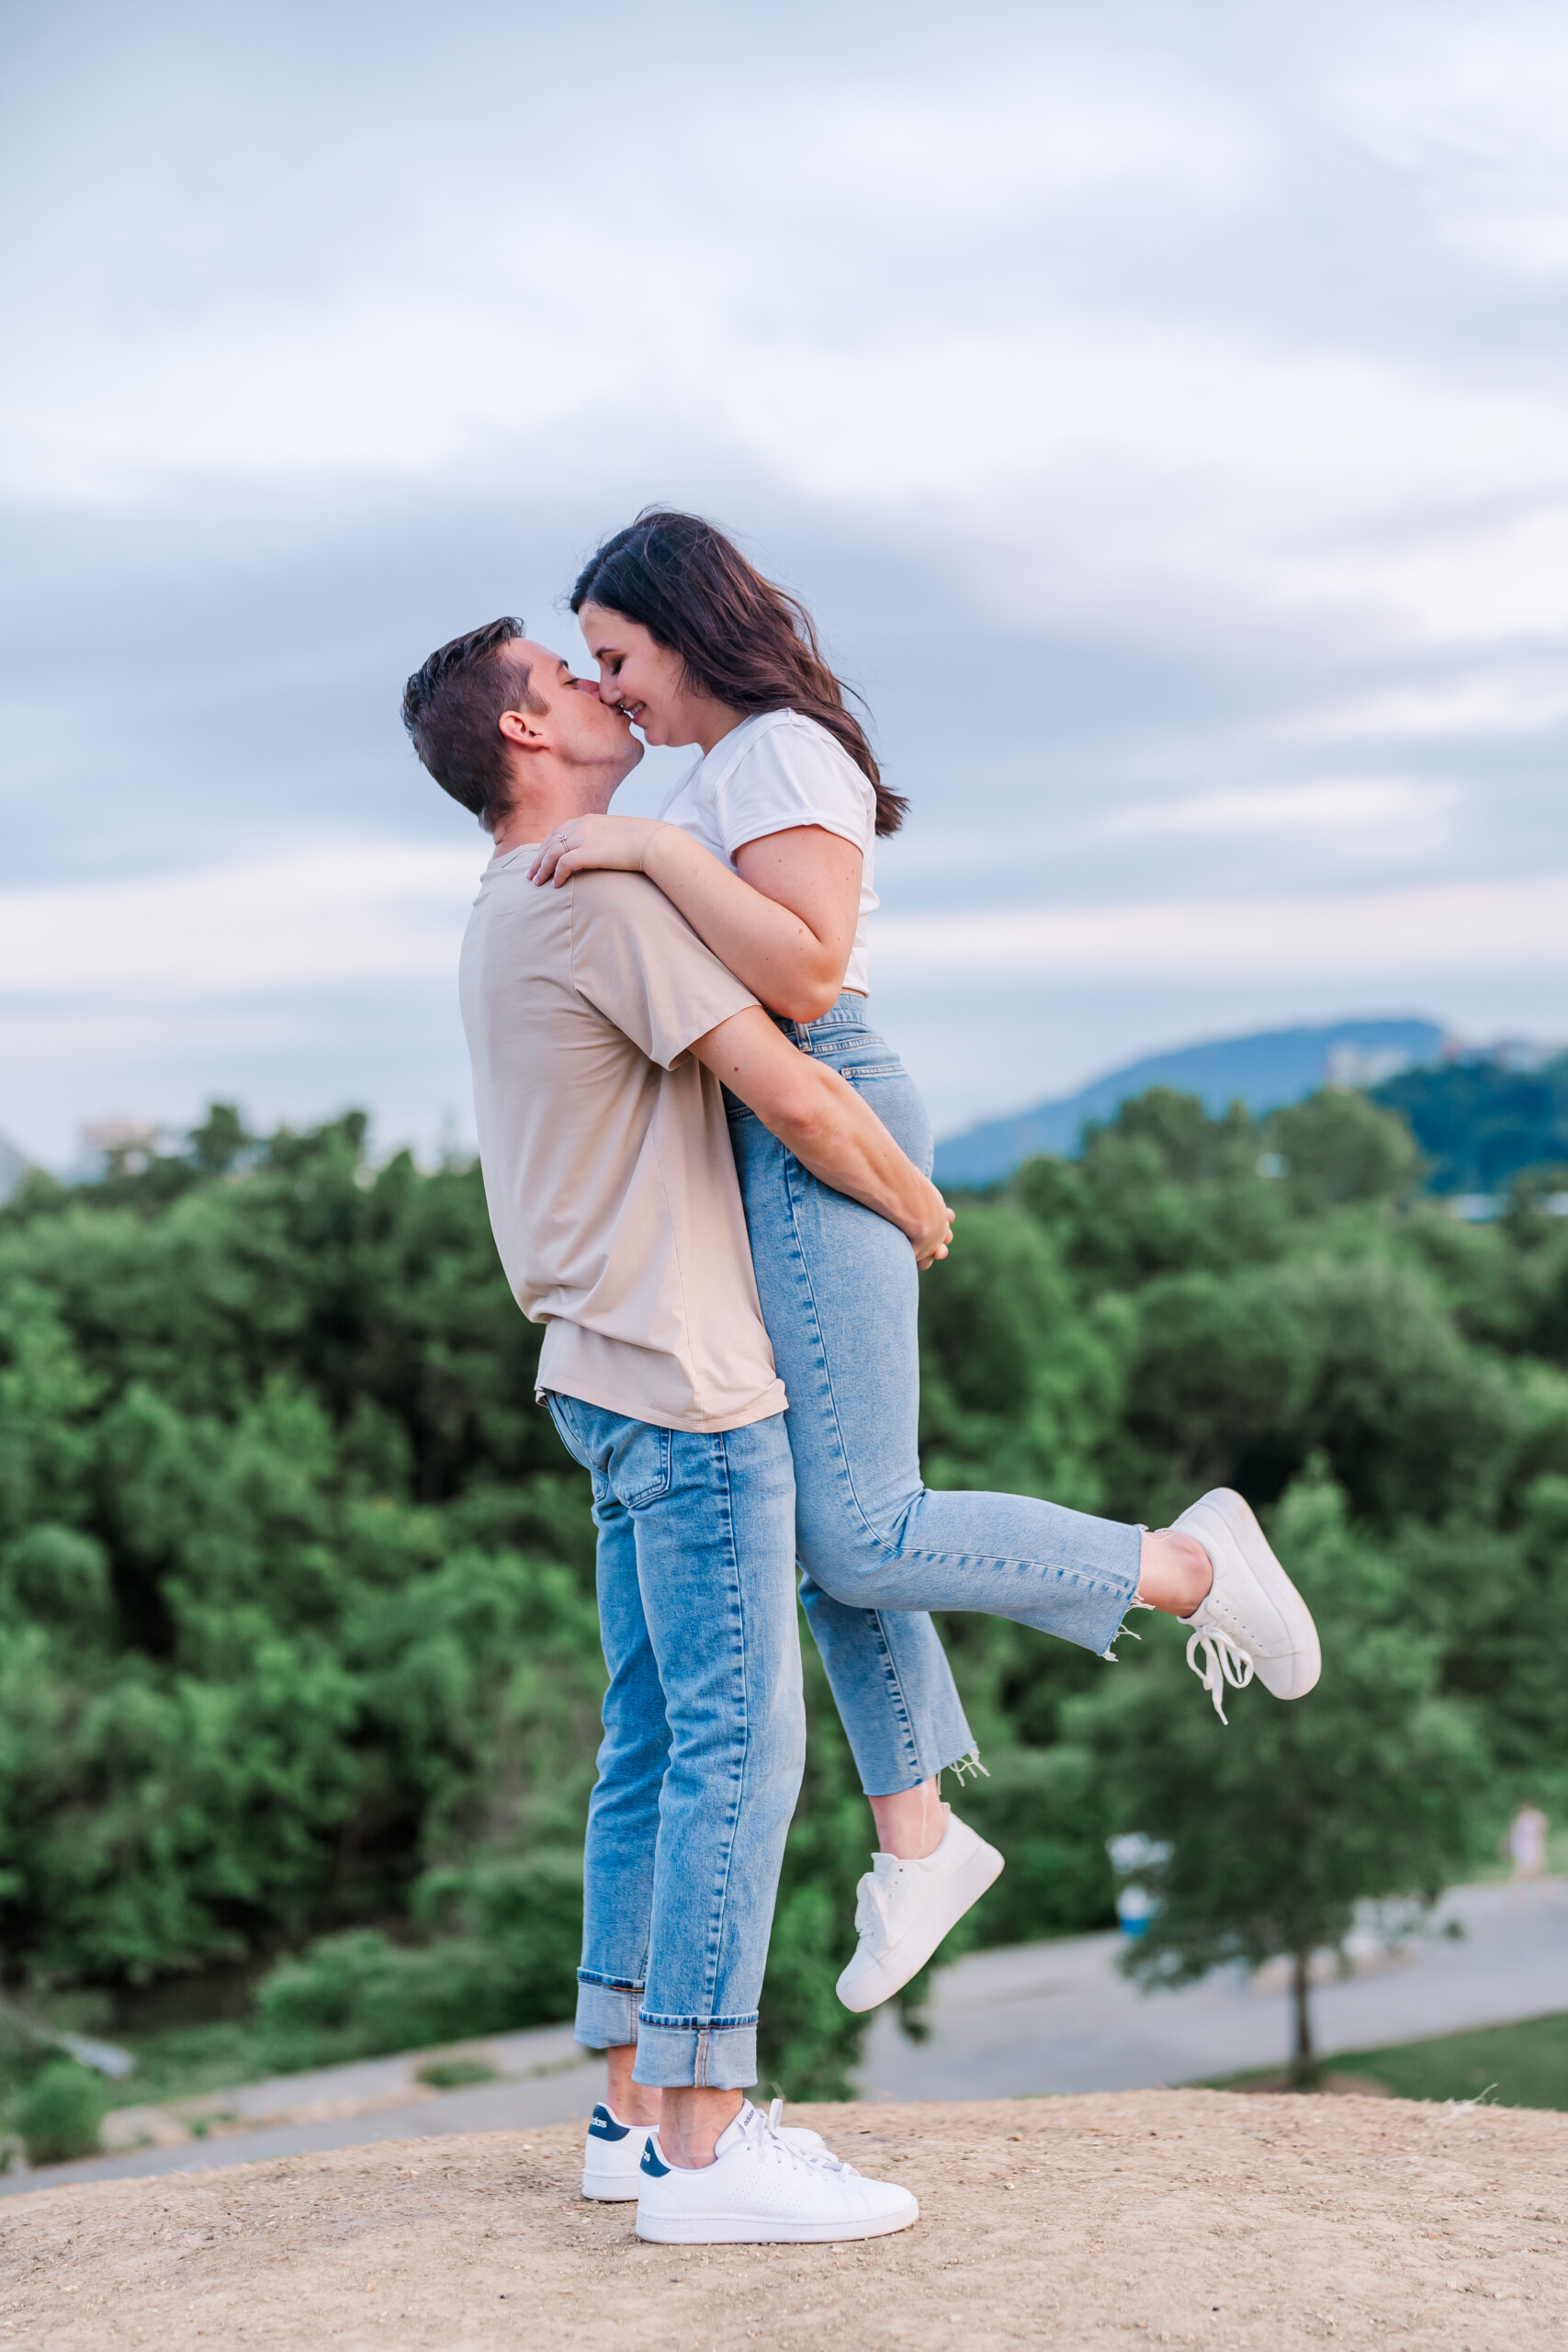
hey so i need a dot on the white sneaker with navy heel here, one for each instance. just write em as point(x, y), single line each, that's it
point(611, 2160)
point(762, 2190)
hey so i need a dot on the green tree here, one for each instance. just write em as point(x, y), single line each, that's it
point(1161, 1188)
point(1478, 1124)
point(1222, 1369)
point(1338, 1148)
point(298, 1656)
point(1414, 1422)
point(1018, 1387)
point(1281, 1821)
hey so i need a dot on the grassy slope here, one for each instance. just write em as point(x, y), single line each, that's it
point(1527, 2064)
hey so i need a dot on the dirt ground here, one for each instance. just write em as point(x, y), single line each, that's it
point(1150, 2217)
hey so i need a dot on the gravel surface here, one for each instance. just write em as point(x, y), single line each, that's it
point(1144, 2217)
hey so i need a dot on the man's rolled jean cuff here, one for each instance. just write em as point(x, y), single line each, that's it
point(675, 2055)
point(606, 2014)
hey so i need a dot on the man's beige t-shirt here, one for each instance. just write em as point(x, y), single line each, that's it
point(605, 1150)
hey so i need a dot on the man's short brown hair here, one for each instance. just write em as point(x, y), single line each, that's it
point(452, 708)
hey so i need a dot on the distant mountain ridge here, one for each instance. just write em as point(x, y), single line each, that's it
point(1263, 1071)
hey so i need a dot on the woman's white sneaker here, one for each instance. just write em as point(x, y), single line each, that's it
point(904, 1909)
point(1252, 1620)
point(761, 2190)
point(611, 2160)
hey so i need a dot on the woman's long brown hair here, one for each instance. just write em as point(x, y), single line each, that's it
point(744, 641)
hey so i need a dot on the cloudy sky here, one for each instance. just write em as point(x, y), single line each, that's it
point(1162, 405)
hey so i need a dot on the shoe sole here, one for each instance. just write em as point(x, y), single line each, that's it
point(610, 2189)
point(1238, 1522)
point(912, 1951)
point(733, 2229)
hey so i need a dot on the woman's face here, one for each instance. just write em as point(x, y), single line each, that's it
point(645, 680)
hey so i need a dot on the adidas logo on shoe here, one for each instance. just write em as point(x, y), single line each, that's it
point(611, 2158)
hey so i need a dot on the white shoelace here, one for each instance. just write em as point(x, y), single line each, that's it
point(1223, 1661)
point(779, 2150)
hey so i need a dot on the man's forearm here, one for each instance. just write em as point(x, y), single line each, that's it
point(846, 1147)
point(824, 1122)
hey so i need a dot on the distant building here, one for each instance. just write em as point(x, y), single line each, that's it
point(132, 1141)
point(1348, 1066)
point(1526, 1054)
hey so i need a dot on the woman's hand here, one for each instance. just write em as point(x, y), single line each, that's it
point(583, 843)
point(936, 1231)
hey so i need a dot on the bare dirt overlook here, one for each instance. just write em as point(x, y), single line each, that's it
point(1147, 2217)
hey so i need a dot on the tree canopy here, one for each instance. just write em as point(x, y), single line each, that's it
point(298, 1662)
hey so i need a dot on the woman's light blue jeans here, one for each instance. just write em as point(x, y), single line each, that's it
point(840, 1297)
point(705, 1738)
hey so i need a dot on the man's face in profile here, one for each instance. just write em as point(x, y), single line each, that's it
point(581, 729)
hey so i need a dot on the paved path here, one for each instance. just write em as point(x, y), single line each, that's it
point(1058, 2017)
point(545, 2079)
point(1036, 2018)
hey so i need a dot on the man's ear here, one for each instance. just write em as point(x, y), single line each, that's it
point(522, 730)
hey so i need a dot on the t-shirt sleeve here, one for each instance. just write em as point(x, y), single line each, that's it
point(641, 965)
point(794, 775)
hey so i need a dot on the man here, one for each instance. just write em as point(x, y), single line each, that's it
point(600, 1030)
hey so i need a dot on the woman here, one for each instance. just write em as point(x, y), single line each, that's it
point(767, 847)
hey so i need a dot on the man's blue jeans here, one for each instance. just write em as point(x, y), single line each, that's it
point(705, 1738)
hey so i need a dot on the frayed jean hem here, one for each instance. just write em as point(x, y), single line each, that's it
point(1111, 1607)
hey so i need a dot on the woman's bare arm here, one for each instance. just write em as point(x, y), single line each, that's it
point(785, 924)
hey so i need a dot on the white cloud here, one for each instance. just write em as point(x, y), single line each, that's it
point(1373, 938)
point(1075, 307)
point(1514, 698)
point(1369, 815)
point(389, 911)
point(1462, 578)
point(1210, 355)
point(1471, 112)
point(334, 911)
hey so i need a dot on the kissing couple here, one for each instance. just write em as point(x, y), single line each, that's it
point(708, 1178)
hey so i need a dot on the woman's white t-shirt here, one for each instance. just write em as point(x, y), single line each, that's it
point(770, 773)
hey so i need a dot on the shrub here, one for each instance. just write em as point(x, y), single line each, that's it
point(526, 1914)
point(59, 2113)
point(452, 2074)
point(357, 1994)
